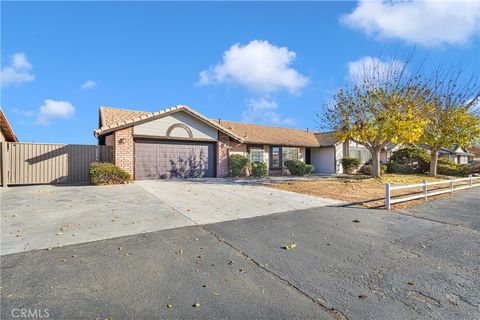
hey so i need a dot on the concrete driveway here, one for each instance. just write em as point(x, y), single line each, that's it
point(39, 217)
point(349, 263)
point(215, 200)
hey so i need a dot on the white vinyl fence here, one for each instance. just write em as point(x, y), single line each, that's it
point(468, 183)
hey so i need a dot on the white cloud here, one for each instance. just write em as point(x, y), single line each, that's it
point(52, 109)
point(426, 22)
point(373, 69)
point(259, 66)
point(25, 113)
point(263, 110)
point(17, 72)
point(88, 84)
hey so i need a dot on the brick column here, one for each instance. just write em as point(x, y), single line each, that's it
point(123, 149)
point(223, 145)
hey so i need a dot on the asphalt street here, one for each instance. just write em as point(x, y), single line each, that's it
point(347, 263)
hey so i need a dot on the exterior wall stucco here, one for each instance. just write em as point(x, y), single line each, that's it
point(159, 128)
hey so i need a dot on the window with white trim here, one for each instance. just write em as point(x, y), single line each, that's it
point(255, 153)
point(290, 153)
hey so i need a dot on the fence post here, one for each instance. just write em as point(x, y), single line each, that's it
point(425, 189)
point(471, 181)
point(5, 164)
point(387, 195)
point(451, 184)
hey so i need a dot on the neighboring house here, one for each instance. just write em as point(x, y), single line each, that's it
point(456, 154)
point(179, 142)
point(6, 131)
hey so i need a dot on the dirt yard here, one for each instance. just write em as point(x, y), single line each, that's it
point(362, 190)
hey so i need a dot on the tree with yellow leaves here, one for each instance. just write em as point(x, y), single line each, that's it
point(453, 117)
point(385, 105)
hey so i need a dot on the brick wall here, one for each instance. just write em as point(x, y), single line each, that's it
point(123, 149)
point(223, 145)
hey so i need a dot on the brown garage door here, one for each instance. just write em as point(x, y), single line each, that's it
point(173, 160)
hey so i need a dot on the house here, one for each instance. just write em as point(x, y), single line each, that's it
point(179, 142)
point(456, 154)
point(6, 131)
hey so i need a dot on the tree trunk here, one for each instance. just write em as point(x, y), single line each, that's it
point(433, 162)
point(376, 163)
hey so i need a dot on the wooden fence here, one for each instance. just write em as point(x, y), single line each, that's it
point(33, 163)
point(467, 183)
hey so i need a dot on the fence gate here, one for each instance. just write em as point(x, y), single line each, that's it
point(33, 163)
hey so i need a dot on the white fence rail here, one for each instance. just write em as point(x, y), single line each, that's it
point(424, 194)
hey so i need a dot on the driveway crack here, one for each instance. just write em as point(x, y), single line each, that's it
point(334, 313)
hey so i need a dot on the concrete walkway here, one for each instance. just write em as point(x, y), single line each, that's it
point(216, 200)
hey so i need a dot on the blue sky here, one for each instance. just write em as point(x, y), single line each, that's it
point(269, 63)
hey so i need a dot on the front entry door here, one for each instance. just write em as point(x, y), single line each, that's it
point(276, 158)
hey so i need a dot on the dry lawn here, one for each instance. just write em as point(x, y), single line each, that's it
point(362, 190)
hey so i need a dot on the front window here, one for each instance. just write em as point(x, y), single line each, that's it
point(255, 153)
point(360, 153)
point(289, 153)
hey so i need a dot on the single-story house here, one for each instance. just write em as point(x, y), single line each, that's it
point(6, 131)
point(179, 142)
point(456, 154)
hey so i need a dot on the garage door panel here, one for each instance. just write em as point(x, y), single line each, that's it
point(173, 160)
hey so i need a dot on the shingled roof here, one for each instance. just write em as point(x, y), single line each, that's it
point(112, 119)
point(259, 134)
point(6, 128)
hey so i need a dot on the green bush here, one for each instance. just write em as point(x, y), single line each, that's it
point(453, 169)
point(409, 159)
point(258, 169)
point(309, 168)
point(238, 165)
point(102, 173)
point(295, 167)
point(350, 165)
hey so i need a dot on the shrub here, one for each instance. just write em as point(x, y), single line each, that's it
point(474, 167)
point(238, 165)
point(295, 167)
point(383, 168)
point(452, 169)
point(409, 159)
point(309, 168)
point(258, 169)
point(350, 165)
point(102, 173)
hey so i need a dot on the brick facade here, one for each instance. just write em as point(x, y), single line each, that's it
point(223, 145)
point(123, 149)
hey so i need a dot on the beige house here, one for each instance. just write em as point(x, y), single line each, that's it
point(179, 142)
point(6, 131)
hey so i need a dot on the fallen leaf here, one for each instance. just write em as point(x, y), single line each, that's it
point(290, 246)
point(363, 295)
point(169, 306)
point(120, 248)
point(197, 305)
